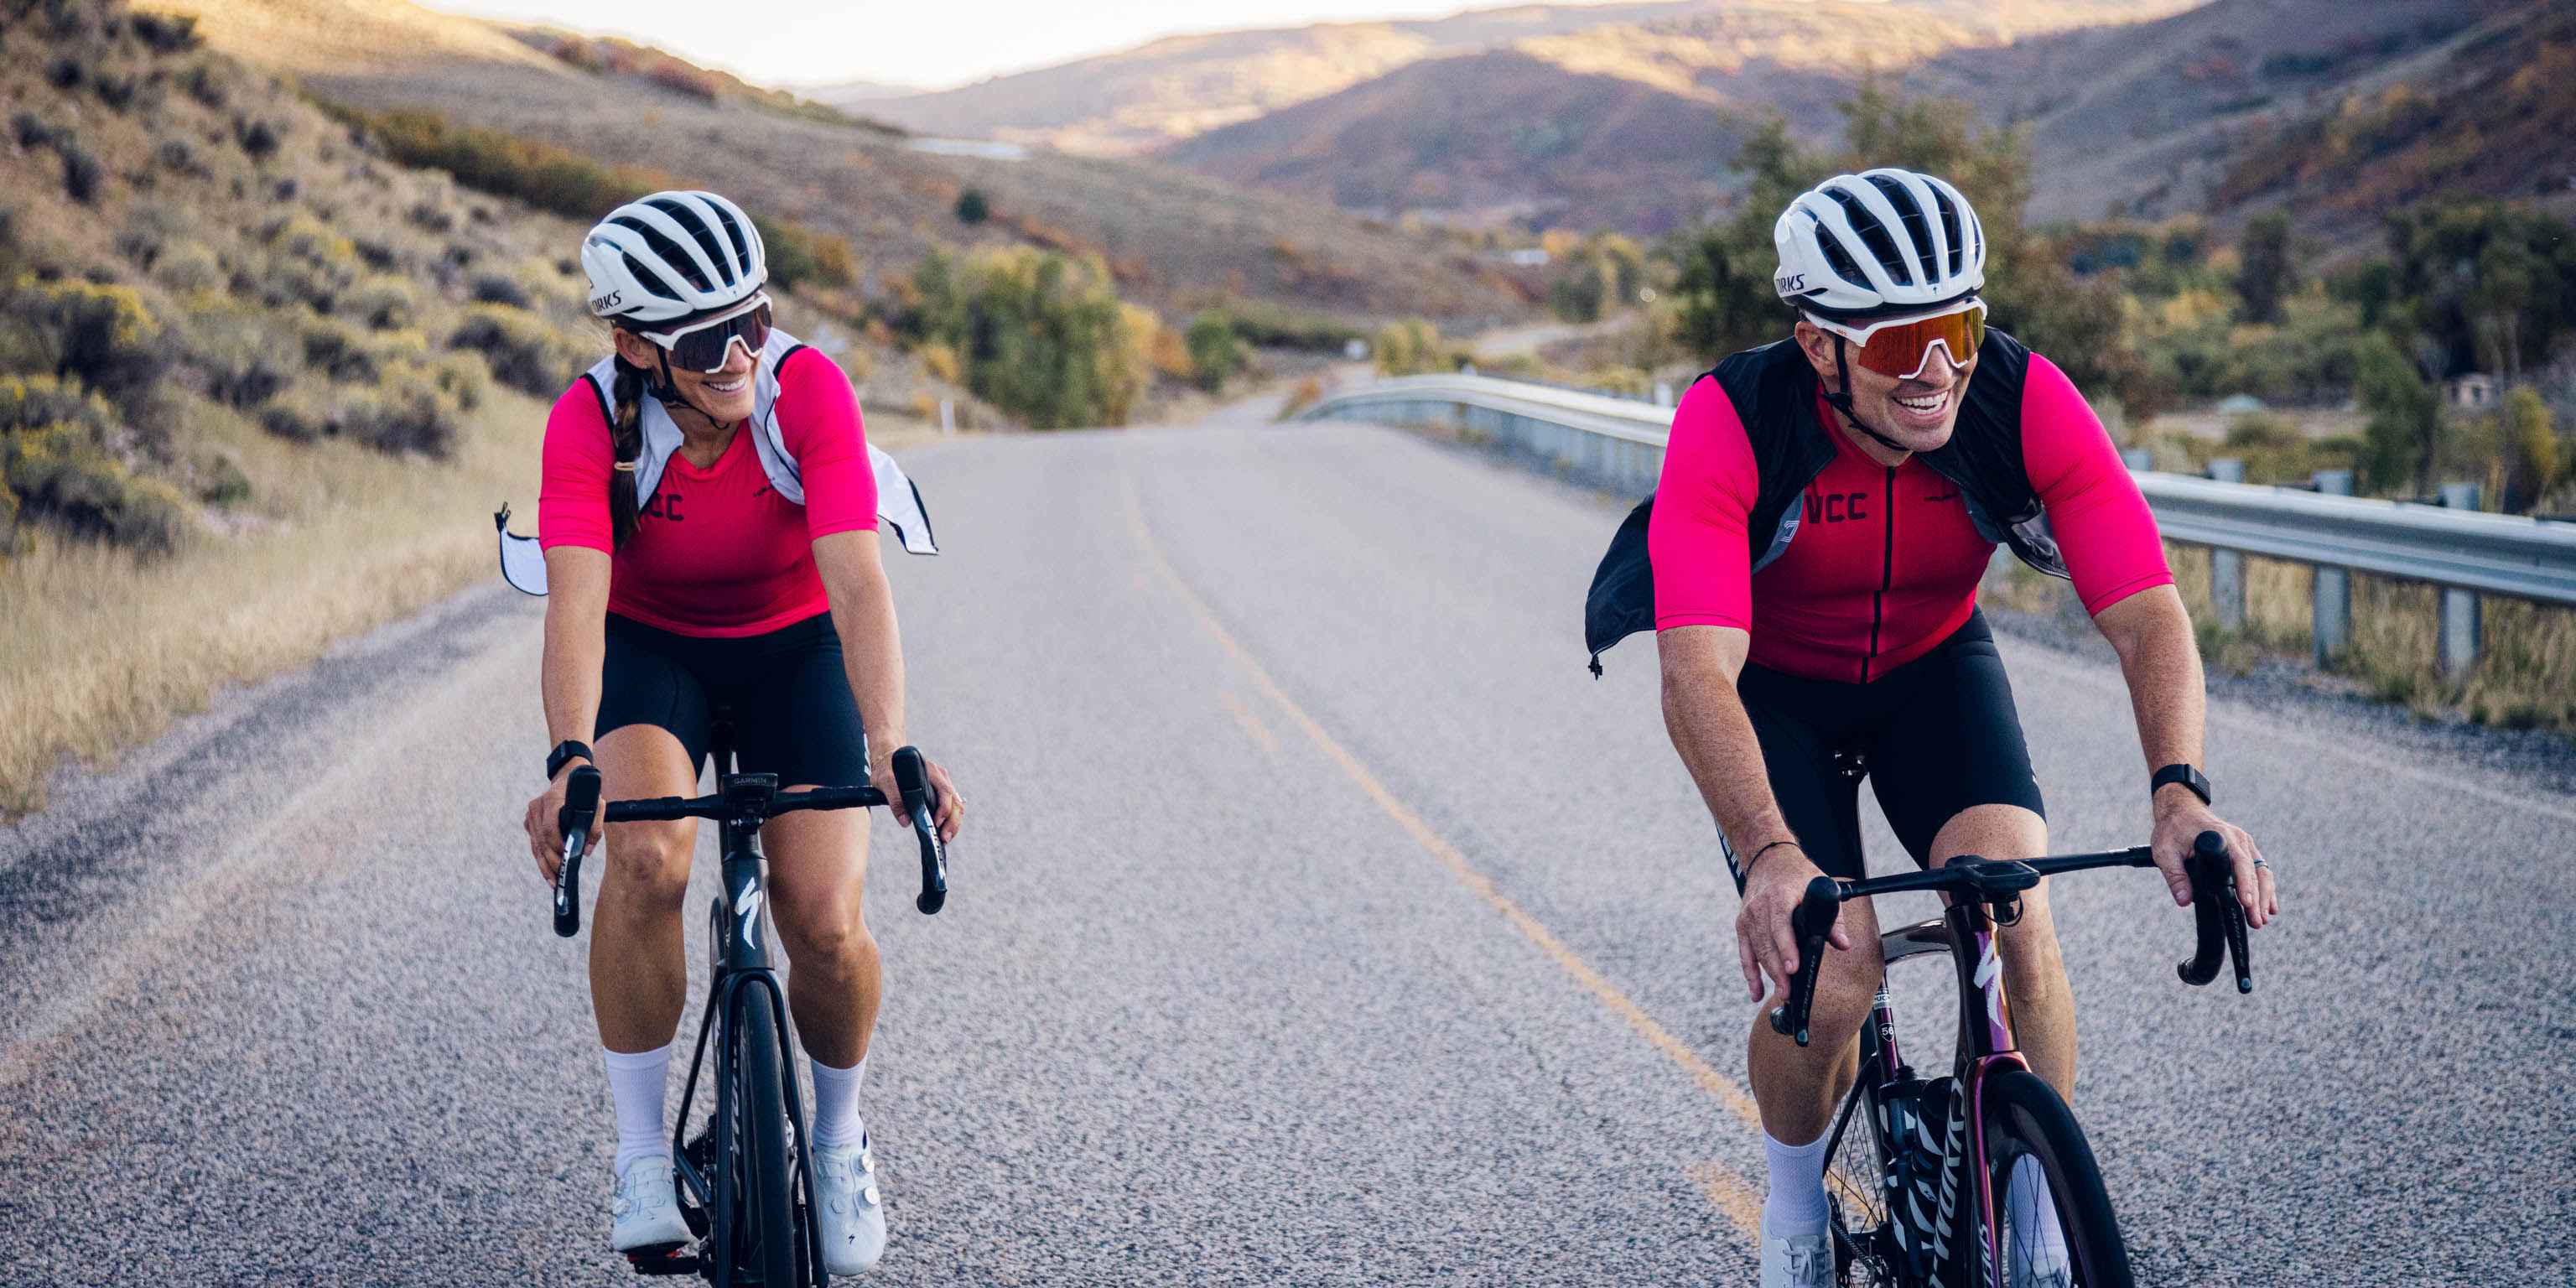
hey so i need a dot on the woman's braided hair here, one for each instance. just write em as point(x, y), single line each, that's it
point(626, 434)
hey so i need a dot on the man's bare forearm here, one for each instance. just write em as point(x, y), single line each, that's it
point(1715, 737)
point(2160, 659)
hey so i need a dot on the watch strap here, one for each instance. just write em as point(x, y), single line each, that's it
point(564, 751)
point(2180, 773)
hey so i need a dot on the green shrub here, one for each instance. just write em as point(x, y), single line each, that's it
point(247, 355)
point(31, 130)
point(523, 352)
point(337, 350)
point(188, 267)
point(408, 413)
point(1412, 347)
point(1041, 335)
point(498, 288)
point(82, 173)
point(164, 33)
point(105, 335)
point(32, 402)
point(1216, 352)
point(178, 156)
point(464, 377)
point(206, 83)
point(259, 139)
point(60, 474)
point(972, 208)
point(220, 480)
point(303, 412)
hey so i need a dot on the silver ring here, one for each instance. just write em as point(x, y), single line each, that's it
point(2261, 864)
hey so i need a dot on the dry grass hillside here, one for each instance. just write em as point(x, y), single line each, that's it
point(2143, 120)
point(1137, 99)
point(1173, 239)
point(1615, 124)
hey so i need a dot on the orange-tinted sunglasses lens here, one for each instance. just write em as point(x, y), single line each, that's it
point(1901, 350)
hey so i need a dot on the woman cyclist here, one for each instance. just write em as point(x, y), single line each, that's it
point(708, 515)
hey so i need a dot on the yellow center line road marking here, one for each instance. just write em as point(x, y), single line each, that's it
point(1251, 723)
point(1716, 1084)
point(1728, 1193)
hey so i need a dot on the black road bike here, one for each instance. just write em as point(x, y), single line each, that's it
point(746, 1181)
point(1922, 1173)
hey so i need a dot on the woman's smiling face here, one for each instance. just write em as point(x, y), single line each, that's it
point(724, 395)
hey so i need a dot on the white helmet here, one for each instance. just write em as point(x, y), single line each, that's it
point(670, 255)
point(1879, 242)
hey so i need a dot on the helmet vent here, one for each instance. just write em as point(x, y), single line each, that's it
point(1950, 230)
point(1838, 257)
point(686, 216)
point(651, 280)
point(1874, 236)
point(1918, 230)
point(669, 252)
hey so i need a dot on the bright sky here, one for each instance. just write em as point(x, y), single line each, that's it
point(937, 43)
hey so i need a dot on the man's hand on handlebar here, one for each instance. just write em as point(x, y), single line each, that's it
point(1764, 942)
point(2180, 817)
point(545, 839)
point(947, 812)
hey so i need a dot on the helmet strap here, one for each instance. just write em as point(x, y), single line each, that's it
point(1841, 400)
point(667, 391)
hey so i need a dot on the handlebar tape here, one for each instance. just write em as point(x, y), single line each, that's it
point(2217, 918)
point(1812, 922)
point(912, 779)
point(580, 810)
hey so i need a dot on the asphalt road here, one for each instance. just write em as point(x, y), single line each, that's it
point(1320, 921)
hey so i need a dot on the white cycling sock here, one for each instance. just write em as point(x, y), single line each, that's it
point(836, 1104)
point(2032, 1208)
point(1796, 1207)
point(636, 1082)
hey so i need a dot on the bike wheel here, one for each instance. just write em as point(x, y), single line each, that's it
point(768, 1237)
point(1856, 1197)
point(2030, 1133)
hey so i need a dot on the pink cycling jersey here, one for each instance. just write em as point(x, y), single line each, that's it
point(715, 551)
point(1886, 562)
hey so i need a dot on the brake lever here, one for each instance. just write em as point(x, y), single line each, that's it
point(912, 780)
point(2217, 917)
point(580, 810)
point(1812, 923)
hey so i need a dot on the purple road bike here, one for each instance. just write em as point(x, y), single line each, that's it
point(1948, 1182)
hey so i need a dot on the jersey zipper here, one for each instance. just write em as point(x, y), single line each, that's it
point(1886, 571)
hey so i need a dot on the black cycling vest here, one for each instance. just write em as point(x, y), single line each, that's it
point(1774, 391)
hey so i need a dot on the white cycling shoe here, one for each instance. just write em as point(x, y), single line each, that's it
point(645, 1215)
point(851, 1213)
point(1806, 1261)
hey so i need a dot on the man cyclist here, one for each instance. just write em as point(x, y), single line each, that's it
point(708, 515)
point(1827, 505)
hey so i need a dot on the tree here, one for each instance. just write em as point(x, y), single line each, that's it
point(2531, 450)
point(1725, 282)
point(1216, 352)
point(2399, 444)
point(972, 208)
point(2263, 274)
point(1040, 335)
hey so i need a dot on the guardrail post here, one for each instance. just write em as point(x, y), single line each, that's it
point(2333, 611)
point(2459, 607)
point(2227, 567)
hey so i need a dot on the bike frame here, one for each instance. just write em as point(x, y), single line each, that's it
point(741, 975)
point(1986, 1048)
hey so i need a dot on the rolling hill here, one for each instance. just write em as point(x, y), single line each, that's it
point(1174, 238)
point(2146, 120)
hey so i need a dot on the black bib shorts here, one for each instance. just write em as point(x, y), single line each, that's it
point(1935, 736)
point(789, 697)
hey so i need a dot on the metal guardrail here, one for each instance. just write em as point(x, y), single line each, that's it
point(1621, 444)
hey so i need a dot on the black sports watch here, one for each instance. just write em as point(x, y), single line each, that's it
point(2183, 774)
point(563, 752)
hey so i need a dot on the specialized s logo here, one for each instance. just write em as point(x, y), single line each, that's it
point(750, 914)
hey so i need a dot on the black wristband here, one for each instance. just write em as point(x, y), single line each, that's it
point(564, 752)
point(2180, 773)
point(1757, 854)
